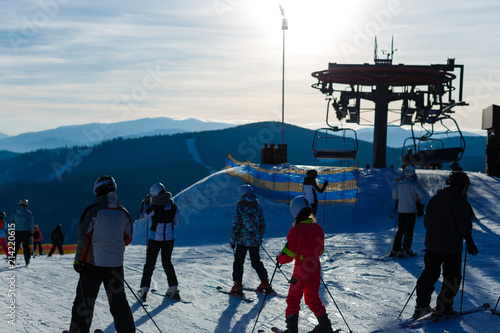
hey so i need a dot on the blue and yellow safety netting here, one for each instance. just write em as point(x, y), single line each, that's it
point(285, 183)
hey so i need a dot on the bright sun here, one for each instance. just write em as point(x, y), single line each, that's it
point(311, 23)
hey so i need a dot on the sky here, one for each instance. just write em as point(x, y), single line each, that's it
point(66, 62)
point(367, 287)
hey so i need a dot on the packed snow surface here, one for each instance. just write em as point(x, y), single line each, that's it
point(368, 288)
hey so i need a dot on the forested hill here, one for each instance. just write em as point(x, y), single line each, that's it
point(59, 182)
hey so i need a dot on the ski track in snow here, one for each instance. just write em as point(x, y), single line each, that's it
point(369, 288)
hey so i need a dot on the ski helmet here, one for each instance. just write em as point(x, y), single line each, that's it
point(2, 214)
point(455, 166)
point(458, 179)
point(297, 204)
point(312, 173)
point(23, 202)
point(244, 190)
point(156, 189)
point(104, 185)
point(410, 171)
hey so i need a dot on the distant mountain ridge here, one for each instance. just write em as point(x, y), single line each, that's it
point(94, 133)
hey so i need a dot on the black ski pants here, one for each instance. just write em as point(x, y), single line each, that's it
point(404, 235)
point(239, 260)
point(87, 289)
point(451, 279)
point(58, 245)
point(23, 238)
point(154, 248)
point(38, 245)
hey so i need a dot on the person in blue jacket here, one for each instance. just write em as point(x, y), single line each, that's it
point(248, 229)
point(23, 221)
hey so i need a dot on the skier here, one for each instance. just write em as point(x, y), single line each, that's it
point(104, 230)
point(37, 240)
point(3, 239)
point(305, 243)
point(23, 220)
point(408, 193)
point(57, 237)
point(310, 187)
point(248, 229)
point(164, 215)
point(447, 222)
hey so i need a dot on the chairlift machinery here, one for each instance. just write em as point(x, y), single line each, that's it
point(425, 93)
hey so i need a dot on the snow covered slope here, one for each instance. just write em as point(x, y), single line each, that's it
point(369, 288)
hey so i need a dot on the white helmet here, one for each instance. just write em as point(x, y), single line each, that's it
point(410, 171)
point(297, 204)
point(156, 189)
point(244, 189)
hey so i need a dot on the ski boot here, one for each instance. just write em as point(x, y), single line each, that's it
point(265, 287)
point(324, 325)
point(421, 311)
point(143, 293)
point(237, 289)
point(292, 324)
point(173, 292)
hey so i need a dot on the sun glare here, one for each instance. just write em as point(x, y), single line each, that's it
point(312, 25)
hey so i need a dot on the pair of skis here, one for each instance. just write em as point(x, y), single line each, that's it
point(95, 331)
point(430, 318)
point(249, 299)
point(277, 330)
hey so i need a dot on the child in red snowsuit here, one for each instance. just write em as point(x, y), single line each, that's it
point(305, 243)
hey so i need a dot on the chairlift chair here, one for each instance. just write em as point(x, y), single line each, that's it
point(433, 149)
point(335, 143)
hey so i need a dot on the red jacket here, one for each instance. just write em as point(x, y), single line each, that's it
point(37, 232)
point(305, 239)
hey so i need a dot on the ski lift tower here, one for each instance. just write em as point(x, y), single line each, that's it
point(425, 92)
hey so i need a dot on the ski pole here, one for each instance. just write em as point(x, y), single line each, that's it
point(137, 298)
point(83, 302)
point(404, 307)
point(350, 331)
point(264, 300)
point(393, 234)
point(463, 281)
point(287, 279)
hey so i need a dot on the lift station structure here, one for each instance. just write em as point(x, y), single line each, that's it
point(425, 93)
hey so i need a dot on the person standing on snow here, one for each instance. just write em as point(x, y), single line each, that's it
point(57, 237)
point(408, 193)
point(310, 187)
point(164, 215)
point(23, 220)
point(248, 229)
point(447, 222)
point(3, 234)
point(104, 230)
point(305, 243)
point(37, 240)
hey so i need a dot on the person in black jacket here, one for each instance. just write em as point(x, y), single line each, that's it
point(164, 216)
point(447, 222)
point(310, 187)
point(57, 237)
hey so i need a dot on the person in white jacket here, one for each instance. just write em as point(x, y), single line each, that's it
point(408, 193)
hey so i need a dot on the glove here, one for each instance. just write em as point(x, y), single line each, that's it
point(325, 183)
point(78, 266)
point(233, 245)
point(470, 245)
point(277, 262)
